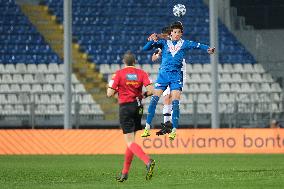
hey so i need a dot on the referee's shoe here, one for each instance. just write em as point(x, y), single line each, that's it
point(150, 168)
point(122, 177)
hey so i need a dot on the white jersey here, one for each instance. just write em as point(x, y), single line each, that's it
point(183, 69)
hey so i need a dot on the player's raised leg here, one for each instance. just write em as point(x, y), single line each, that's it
point(151, 111)
point(166, 126)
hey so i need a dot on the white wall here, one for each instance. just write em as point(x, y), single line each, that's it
point(265, 45)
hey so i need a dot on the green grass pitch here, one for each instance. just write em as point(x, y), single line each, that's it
point(171, 171)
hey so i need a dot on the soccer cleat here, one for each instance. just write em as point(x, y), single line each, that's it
point(145, 133)
point(166, 128)
point(172, 135)
point(150, 168)
point(122, 177)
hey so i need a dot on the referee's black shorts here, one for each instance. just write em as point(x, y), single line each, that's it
point(130, 115)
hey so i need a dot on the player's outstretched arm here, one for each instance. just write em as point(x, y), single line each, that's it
point(195, 45)
point(153, 42)
point(149, 45)
point(211, 50)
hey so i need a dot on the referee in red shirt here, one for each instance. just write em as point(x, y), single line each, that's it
point(128, 83)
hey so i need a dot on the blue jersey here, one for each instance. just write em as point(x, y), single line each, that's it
point(173, 52)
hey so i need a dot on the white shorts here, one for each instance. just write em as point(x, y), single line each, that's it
point(183, 69)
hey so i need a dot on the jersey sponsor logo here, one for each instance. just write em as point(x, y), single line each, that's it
point(131, 77)
point(174, 48)
point(132, 82)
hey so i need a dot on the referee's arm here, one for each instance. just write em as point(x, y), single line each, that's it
point(149, 91)
point(110, 92)
point(112, 85)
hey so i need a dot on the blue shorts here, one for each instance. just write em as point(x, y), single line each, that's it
point(173, 79)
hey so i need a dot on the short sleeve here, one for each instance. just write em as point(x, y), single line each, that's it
point(113, 83)
point(146, 79)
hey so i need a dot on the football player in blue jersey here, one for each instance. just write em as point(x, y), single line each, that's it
point(170, 72)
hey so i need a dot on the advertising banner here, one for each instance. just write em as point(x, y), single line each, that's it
point(111, 141)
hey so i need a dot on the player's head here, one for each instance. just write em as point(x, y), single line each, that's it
point(129, 59)
point(176, 30)
point(167, 30)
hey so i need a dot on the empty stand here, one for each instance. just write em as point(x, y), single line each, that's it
point(45, 88)
point(105, 29)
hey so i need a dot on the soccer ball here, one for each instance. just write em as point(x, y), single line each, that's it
point(179, 10)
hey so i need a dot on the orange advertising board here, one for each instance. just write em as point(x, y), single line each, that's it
point(104, 141)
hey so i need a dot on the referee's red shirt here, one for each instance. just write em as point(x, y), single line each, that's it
point(128, 82)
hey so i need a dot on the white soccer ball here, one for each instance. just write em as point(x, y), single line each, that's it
point(179, 10)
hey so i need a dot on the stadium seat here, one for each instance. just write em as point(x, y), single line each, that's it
point(267, 77)
point(10, 68)
point(238, 68)
point(225, 87)
point(28, 78)
point(7, 78)
point(228, 68)
point(206, 77)
point(50, 78)
point(58, 87)
point(15, 87)
point(79, 88)
point(275, 87)
point(39, 77)
point(256, 77)
point(225, 77)
point(21, 68)
point(249, 68)
point(26, 87)
point(42, 68)
point(47, 88)
point(53, 68)
point(258, 68)
point(55, 98)
point(236, 77)
point(44, 98)
point(4, 88)
point(36, 88)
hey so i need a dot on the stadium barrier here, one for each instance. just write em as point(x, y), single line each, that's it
point(105, 141)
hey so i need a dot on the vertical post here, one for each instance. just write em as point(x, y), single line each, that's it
point(32, 109)
point(67, 62)
point(195, 113)
point(236, 111)
point(77, 111)
point(213, 10)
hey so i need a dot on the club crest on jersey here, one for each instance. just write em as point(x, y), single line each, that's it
point(174, 48)
point(131, 77)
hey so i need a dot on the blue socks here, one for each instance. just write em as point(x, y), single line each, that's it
point(175, 115)
point(151, 109)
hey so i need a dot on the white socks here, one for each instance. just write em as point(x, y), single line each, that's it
point(147, 126)
point(167, 109)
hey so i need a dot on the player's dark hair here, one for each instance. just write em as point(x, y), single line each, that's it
point(166, 30)
point(129, 58)
point(177, 25)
